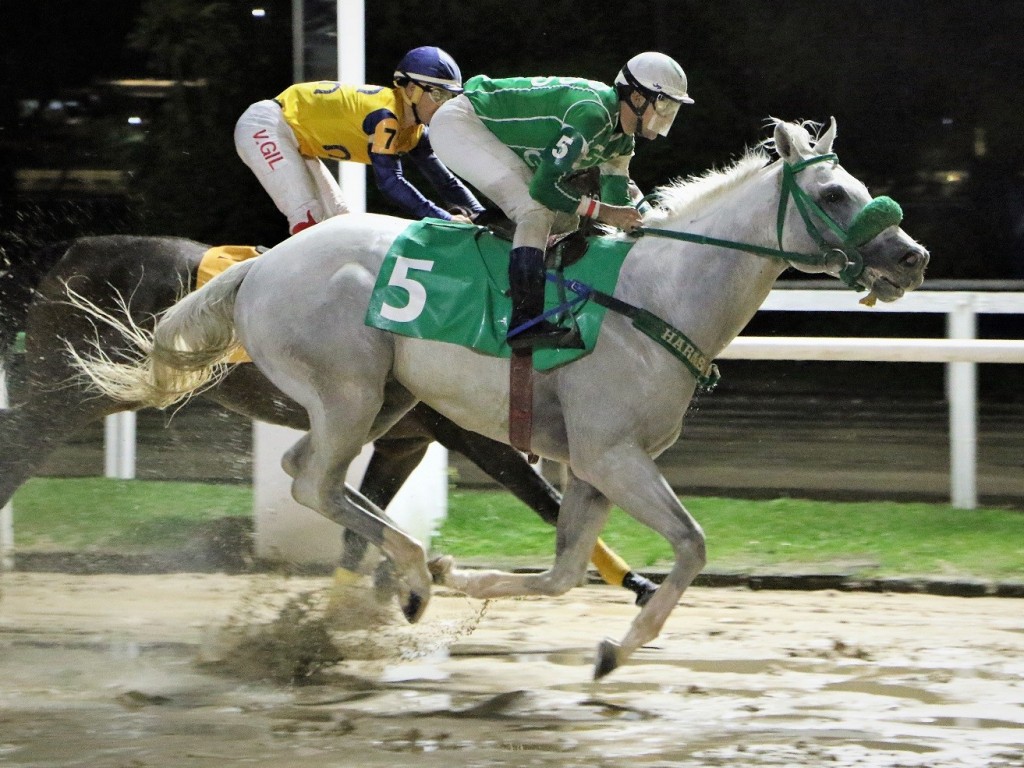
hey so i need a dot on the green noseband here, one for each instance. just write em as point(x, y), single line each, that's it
point(878, 215)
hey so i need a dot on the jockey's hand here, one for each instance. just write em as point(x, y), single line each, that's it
point(458, 218)
point(624, 217)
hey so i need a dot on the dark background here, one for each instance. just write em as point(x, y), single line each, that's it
point(928, 97)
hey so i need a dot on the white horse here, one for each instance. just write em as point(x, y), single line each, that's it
point(299, 310)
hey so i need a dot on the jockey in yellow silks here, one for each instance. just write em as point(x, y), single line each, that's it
point(285, 140)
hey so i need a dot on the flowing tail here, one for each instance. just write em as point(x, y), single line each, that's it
point(185, 353)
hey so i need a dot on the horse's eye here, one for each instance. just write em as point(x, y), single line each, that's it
point(833, 195)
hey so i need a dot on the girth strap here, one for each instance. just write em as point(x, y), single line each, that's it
point(675, 341)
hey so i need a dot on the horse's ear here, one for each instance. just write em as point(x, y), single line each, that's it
point(785, 144)
point(824, 144)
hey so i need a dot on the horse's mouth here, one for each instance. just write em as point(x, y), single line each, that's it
point(886, 289)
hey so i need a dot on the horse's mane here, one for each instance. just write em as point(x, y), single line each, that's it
point(675, 197)
point(678, 196)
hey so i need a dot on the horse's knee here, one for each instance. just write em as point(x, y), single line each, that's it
point(305, 491)
point(294, 457)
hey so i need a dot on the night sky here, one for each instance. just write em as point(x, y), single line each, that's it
point(916, 86)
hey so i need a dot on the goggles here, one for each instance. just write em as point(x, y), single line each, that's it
point(438, 94)
point(665, 106)
point(665, 111)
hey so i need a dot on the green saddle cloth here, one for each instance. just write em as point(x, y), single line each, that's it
point(449, 282)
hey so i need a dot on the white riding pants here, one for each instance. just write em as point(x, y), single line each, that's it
point(302, 188)
point(472, 152)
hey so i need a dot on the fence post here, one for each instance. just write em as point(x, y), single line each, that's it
point(7, 511)
point(962, 392)
point(119, 445)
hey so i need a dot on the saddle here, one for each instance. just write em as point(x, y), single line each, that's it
point(562, 250)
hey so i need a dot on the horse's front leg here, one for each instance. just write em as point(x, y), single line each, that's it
point(633, 482)
point(580, 520)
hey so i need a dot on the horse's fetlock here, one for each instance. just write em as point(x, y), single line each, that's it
point(555, 584)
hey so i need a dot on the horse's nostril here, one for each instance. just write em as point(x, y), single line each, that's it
point(914, 258)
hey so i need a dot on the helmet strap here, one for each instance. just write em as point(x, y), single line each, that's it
point(638, 111)
point(634, 86)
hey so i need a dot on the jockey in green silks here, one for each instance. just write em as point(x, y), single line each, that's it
point(518, 139)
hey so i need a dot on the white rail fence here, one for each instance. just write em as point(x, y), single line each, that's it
point(960, 351)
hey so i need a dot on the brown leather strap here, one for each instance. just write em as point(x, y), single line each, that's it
point(520, 402)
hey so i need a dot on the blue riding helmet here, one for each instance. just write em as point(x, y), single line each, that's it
point(429, 66)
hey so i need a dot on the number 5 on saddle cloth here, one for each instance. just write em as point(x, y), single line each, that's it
point(449, 282)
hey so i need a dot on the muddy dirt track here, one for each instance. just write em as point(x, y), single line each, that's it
point(186, 670)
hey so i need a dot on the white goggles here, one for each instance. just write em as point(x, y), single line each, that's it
point(665, 111)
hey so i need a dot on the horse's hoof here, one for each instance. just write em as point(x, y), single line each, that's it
point(607, 658)
point(414, 607)
point(642, 587)
point(440, 568)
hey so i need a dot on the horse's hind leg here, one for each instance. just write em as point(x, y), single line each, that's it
point(319, 462)
point(392, 462)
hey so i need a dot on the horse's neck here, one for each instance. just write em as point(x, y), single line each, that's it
point(707, 292)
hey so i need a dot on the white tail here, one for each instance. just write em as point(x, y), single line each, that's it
point(184, 353)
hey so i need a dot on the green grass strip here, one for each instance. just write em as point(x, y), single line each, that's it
point(785, 535)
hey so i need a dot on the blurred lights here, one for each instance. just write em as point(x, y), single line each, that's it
point(134, 120)
point(259, 13)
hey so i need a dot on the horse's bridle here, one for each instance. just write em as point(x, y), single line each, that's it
point(879, 214)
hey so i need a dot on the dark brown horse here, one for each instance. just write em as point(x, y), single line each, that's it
point(150, 274)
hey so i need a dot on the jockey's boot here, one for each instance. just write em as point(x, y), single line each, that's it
point(526, 281)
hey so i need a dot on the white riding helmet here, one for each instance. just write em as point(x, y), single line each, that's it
point(661, 81)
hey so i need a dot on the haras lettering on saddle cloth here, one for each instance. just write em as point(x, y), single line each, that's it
point(215, 261)
point(449, 282)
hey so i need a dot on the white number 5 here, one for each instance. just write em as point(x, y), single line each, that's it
point(417, 293)
point(561, 148)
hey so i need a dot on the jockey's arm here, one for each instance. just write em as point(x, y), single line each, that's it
point(382, 127)
point(390, 179)
point(450, 189)
point(616, 186)
point(548, 187)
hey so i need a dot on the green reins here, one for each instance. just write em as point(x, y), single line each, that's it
point(870, 221)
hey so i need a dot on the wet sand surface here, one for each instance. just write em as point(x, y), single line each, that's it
point(181, 670)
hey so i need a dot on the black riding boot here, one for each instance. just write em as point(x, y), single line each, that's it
point(526, 281)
